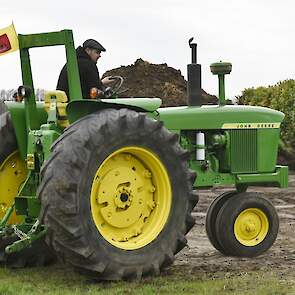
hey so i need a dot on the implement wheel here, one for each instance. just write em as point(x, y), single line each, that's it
point(211, 217)
point(13, 173)
point(13, 170)
point(117, 195)
point(247, 225)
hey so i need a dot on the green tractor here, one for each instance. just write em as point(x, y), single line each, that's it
point(108, 185)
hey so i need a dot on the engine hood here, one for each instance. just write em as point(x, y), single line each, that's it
point(219, 117)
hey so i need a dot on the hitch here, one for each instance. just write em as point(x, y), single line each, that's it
point(36, 232)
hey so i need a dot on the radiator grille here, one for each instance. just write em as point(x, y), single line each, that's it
point(243, 151)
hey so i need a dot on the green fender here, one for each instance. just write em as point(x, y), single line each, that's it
point(80, 108)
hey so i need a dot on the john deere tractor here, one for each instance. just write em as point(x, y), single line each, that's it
point(108, 185)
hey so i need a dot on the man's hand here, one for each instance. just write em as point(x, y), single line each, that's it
point(100, 94)
point(107, 80)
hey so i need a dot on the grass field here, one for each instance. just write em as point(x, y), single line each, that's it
point(59, 279)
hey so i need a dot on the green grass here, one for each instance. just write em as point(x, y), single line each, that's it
point(62, 280)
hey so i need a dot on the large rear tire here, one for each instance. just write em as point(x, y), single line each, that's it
point(117, 195)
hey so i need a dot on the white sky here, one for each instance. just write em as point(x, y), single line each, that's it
point(256, 36)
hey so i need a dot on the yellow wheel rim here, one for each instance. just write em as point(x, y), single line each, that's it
point(13, 173)
point(251, 227)
point(131, 198)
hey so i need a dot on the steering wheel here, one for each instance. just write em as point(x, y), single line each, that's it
point(114, 89)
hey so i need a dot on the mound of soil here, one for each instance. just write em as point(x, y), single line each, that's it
point(144, 79)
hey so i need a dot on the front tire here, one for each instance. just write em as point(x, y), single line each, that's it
point(117, 195)
point(247, 225)
point(211, 217)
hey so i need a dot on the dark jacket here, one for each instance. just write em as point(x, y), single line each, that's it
point(89, 75)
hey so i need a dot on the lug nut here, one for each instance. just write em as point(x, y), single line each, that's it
point(147, 174)
point(128, 157)
point(151, 204)
point(152, 189)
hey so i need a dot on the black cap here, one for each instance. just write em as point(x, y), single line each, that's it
point(91, 43)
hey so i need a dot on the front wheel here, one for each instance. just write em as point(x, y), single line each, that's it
point(117, 195)
point(211, 217)
point(247, 225)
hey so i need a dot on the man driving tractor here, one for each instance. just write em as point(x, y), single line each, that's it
point(91, 84)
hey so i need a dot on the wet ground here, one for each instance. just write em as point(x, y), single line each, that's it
point(200, 256)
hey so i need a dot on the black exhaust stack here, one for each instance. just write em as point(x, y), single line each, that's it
point(194, 89)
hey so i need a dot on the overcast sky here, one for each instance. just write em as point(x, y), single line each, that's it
point(256, 36)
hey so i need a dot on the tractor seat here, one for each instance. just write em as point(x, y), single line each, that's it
point(61, 104)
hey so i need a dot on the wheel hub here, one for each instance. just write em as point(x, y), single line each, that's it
point(251, 227)
point(125, 197)
point(124, 209)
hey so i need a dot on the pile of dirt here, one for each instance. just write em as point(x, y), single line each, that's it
point(144, 79)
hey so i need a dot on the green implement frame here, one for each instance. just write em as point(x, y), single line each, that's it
point(35, 135)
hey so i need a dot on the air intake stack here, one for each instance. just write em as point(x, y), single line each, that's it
point(194, 89)
point(221, 69)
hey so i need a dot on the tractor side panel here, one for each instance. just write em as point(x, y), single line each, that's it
point(18, 117)
point(267, 149)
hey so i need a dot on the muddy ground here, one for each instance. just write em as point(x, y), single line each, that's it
point(201, 257)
